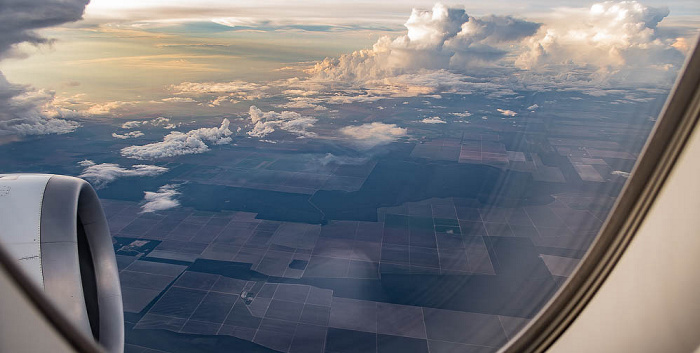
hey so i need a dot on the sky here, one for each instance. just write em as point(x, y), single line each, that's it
point(64, 62)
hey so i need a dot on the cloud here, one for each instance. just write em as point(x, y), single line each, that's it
point(163, 199)
point(445, 50)
point(373, 134)
point(433, 120)
point(349, 99)
point(177, 143)
point(265, 123)
point(107, 107)
point(20, 19)
point(179, 100)
point(506, 112)
point(157, 122)
point(533, 107)
point(102, 174)
point(25, 111)
point(162, 122)
point(303, 103)
point(132, 124)
point(465, 114)
point(220, 92)
point(616, 39)
point(222, 99)
point(253, 24)
point(441, 38)
point(128, 135)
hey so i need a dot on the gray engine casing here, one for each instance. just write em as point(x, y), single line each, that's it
point(55, 228)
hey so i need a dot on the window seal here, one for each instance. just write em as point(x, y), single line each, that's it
point(670, 135)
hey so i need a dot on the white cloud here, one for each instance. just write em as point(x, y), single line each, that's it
point(444, 50)
point(132, 124)
point(157, 122)
point(179, 100)
point(349, 99)
point(506, 112)
point(533, 107)
point(462, 115)
point(299, 92)
point(220, 92)
point(217, 87)
point(163, 199)
point(441, 38)
point(265, 123)
point(163, 122)
point(128, 135)
point(433, 120)
point(303, 103)
point(618, 39)
point(107, 107)
point(374, 134)
point(222, 99)
point(102, 174)
point(178, 143)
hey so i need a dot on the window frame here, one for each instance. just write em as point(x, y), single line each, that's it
point(677, 121)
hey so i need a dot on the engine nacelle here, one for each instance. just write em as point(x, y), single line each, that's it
point(56, 230)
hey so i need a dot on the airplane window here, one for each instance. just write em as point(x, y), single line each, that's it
point(314, 176)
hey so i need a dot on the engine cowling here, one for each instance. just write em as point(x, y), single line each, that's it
point(56, 230)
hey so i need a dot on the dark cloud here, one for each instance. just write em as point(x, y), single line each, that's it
point(20, 18)
point(23, 110)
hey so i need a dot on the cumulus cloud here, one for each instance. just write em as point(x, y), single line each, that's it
point(178, 143)
point(265, 123)
point(102, 174)
point(617, 39)
point(441, 38)
point(533, 107)
point(433, 120)
point(506, 112)
point(163, 199)
point(128, 135)
point(373, 134)
point(132, 124)
point(445, 50)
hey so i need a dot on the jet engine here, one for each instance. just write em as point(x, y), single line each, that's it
point(55, 229)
